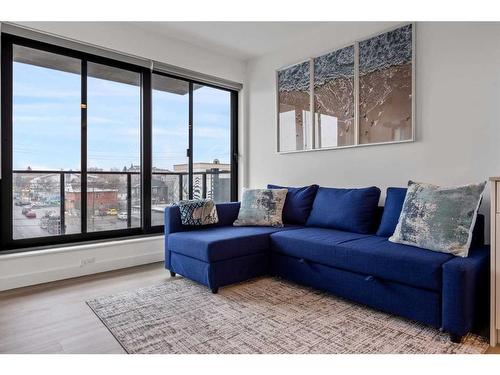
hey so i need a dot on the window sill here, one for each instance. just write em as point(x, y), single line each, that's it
point(84, 245)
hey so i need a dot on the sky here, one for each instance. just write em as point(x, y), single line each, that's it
point(46, 123)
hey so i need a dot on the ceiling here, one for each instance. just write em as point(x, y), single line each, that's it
point(241, 40)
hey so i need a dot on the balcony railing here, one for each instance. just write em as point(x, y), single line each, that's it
point(49, 188)
point(203, 191)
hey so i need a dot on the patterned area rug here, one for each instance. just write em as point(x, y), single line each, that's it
point(261, 316)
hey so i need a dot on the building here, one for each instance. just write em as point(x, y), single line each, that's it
point(97, 199)
point(211, 180)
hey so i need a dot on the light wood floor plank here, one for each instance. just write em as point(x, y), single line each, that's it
point(53, 317)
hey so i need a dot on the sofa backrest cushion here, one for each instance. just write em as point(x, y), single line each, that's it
point(298, 203)
point(394, 200)
point(352, 210)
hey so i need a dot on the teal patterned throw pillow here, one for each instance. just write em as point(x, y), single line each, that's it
point(261, 207)
point(198, 212)
point(439, 218)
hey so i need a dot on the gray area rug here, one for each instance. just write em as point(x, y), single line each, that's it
point(261, 316)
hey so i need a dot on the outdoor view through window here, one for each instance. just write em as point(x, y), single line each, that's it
point(211, 144)
point(47, 145)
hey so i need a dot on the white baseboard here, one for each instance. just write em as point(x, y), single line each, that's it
point(41, 266)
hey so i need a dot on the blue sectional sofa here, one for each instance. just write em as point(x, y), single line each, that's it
point(437, 289)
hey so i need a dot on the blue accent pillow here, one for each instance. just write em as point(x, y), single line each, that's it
point(298, 203)
point(352, 210)
point(395, 197)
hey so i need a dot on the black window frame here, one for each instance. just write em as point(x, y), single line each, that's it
point(7, 243)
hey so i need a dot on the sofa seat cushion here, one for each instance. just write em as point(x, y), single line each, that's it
point(221, 243)
point(366, 254)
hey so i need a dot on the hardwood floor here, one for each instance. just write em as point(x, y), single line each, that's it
point(53, 317)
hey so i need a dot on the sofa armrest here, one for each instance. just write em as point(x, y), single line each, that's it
point(227, 213)
point(172, 220)
point(466, 292)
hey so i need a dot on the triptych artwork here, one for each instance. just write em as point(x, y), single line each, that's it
point(356, 95)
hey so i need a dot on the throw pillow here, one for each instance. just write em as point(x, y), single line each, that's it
point(298, 203)
point(352, 210)
point(439, 218)
point(261, 207)
point(394, 200)
point(198, 212)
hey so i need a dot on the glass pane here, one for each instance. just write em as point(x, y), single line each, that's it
point(107, 201)
point(46, 110)
point(114, 136)
point(211, 143)
point(113, 119)
point(185, 184)
point(170, 141)
point(72, 203)
point(36, 208)
point(295, 131)
point(164, 191)
point(135, 210)
point(334, 98)
point(385, 87)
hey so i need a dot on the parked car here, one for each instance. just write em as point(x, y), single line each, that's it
point(31, 214)
point(122, 216)
point(38, 205)
point(44, 220)
point(53, 202)
point(54, 224)
point(112, 211)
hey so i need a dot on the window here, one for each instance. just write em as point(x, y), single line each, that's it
point(170, 143)
point(46, 93)
point(113, 148)
point(211, 143)
point(94, 148)
point(189, 161)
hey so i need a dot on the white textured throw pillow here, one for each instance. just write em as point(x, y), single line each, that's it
point(439, 218)
point(261, 207)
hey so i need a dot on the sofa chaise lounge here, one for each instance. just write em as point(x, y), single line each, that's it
point(441, 290)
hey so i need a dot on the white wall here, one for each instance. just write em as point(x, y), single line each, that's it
point(457, 114)
point(40, 266)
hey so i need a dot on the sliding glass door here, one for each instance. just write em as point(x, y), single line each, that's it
point(75, 133)
point(46, 129)
point(170, 142)
point(94, 148)
point(191, 143)
point(211, 143)
point(113, 148)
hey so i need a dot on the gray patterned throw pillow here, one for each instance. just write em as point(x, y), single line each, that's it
point(261, 207)
point(198, 212)
point(439, 218)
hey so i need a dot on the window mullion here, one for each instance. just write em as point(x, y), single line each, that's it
point(146, 149)
point(83, 175)
point(190, 152)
